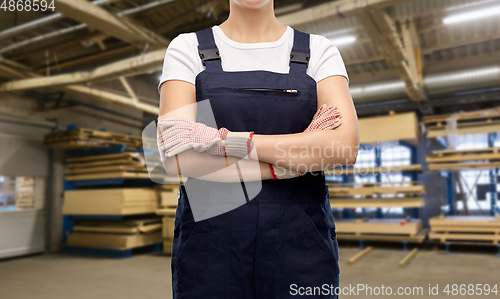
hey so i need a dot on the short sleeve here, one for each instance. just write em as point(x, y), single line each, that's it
point(181, 59)
point(325, 60)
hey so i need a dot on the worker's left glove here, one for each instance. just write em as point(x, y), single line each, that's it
point(180, 134)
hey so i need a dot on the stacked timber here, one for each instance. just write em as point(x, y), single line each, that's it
point(168, 203)
point(108, 166)
point(118, 235)
point(88, 139)
point(378, 227)
point(122, 165)
point(373, 170)
point(475, 122)
point(465, 229)
point(464, 159)
point(116, 201)
point(25, 193)
point(377, 195)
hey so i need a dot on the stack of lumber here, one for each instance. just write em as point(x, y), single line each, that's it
point(118, 165)
point(373, 170)
point(465, 229)
point(118, 235)
point(25, 193)
point(168, 233)
point(123, 165)
point(117, 201)
point(168, 203)
point(395, 126)
point(376, 195)
point(464, 159)
point(87, 139)
point(476, 122)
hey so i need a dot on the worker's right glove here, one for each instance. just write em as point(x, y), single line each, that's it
point(177, 135)
point(326, 118)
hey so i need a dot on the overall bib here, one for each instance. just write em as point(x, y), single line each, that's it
point(284, 238)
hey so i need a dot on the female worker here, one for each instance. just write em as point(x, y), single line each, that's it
point(276, 94)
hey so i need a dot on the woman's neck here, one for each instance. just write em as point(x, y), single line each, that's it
point(248, 25)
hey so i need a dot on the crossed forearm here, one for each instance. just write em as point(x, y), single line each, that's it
point(214, 168)
point(307, 151)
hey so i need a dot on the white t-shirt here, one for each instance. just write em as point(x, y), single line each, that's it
point(182, 61)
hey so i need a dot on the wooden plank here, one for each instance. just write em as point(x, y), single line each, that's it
point(380, 184)
point(404, 126)
point(108, 175)
point(336, 192)
point(166, 212)
point(443, 237)
point(86, 138)
point(373, 170)
point(112, 241)
point(110, 162)
point(407, 259)
point(463, 157)
point(465, 128)
point(467, 229)
point(474, 115)
point(403, 202)
point(119, 201)
point(359, 255)
point(103, 157)
point(458, 166)
point(168, 227)
point(379, 226)
point(465, 221)
point(119, 227)
point(117, 168)
point(419, 238)
point(472, 150)
point(168, 197)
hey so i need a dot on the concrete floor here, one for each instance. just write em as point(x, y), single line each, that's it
point(148, 276)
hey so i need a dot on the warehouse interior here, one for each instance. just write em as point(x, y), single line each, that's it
point(86, 211)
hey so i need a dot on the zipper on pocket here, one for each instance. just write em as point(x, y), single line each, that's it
point(274, 89)
point(290, 91)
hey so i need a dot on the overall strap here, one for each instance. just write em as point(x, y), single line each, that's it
point(207, 50)
point(299, 57)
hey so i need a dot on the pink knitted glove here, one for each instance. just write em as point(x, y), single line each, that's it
point(326, 118)
point(180, 134)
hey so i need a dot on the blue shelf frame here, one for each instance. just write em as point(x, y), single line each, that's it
point(493, 175)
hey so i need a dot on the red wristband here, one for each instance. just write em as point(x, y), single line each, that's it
point(248, 144)
point(275, 178)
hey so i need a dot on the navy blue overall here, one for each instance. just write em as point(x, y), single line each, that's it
point(283, 239)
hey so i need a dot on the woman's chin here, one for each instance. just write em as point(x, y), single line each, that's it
point(253, 4)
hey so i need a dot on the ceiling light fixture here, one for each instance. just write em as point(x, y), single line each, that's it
point(344, 40)
point(476, 14)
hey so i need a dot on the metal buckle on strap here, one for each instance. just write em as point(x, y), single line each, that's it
point(299, 57)
point(208, 54)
